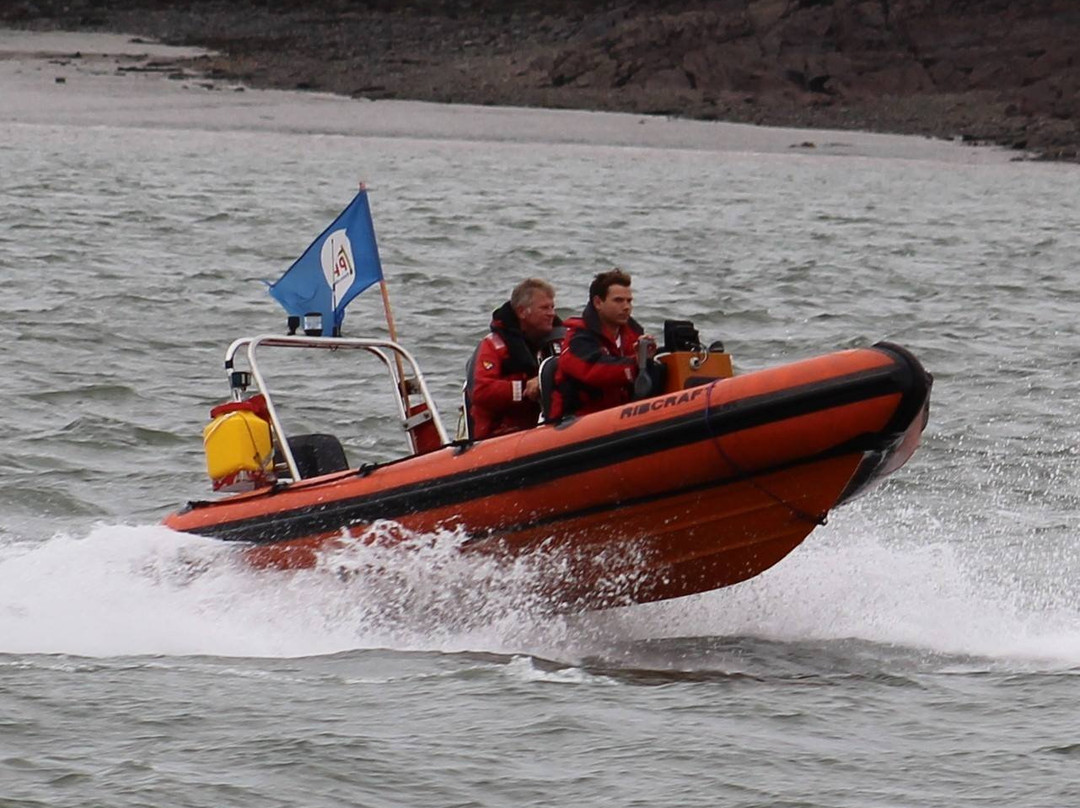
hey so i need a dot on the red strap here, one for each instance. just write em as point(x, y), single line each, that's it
point(255, 404)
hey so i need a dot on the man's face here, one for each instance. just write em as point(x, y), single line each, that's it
point(538, 318)
point(614, 310)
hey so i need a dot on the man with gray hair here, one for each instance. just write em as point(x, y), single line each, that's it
point(502, 389)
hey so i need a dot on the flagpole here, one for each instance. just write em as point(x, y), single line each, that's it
point(386, 308)
point(393, 332)
point(393, 338)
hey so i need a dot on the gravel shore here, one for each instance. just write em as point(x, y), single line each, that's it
point(1007, 75)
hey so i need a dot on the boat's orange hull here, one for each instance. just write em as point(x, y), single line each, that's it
point(678, 494)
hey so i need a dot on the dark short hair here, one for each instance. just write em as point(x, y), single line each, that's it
point(605, 280)
point(525, 291)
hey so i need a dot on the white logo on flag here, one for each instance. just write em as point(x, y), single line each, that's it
point(338, 265)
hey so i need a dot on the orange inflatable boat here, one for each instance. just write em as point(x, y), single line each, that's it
point(707, 484)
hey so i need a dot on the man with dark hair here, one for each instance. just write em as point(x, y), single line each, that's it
point(502, 390)
point(598, 364)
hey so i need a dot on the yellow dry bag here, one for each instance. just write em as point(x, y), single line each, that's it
point(239, 451)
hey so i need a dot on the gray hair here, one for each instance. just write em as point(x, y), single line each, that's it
point(523, 293)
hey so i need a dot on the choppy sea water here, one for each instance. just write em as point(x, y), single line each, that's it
point(921, 649)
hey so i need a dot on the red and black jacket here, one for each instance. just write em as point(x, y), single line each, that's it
point(595, 372)
point(497, 373)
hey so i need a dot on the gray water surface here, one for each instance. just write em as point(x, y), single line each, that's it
point(921, 649)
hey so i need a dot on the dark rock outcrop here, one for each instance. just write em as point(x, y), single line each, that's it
point(1000, 71)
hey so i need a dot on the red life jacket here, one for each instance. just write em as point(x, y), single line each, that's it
point(497, 373)
point(595, 372)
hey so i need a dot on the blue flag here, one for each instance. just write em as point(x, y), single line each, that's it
point(339, 265)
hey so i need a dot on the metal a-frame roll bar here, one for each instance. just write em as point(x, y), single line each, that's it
point(391, 354)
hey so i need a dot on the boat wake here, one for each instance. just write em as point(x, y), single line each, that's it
point(145, 590)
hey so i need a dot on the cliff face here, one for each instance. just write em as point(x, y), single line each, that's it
point(1004, 71)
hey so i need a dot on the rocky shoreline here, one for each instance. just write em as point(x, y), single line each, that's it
point(1004, 72)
